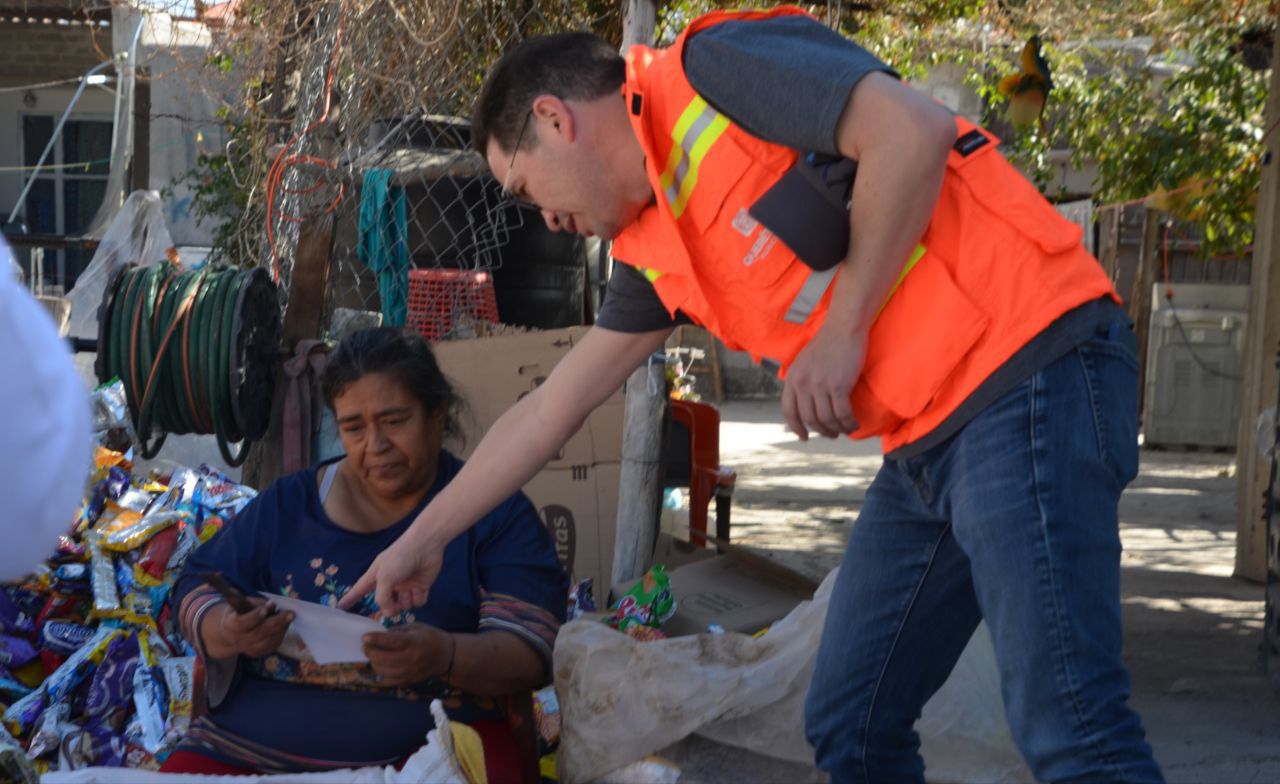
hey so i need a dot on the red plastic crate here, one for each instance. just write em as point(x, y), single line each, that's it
point(437, 297)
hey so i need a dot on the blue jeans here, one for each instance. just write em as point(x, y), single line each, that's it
point(1013, 520)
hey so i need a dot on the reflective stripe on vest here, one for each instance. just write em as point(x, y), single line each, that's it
point(697, 129)
point(816, 285)
point(906, 268)
point(649, 273)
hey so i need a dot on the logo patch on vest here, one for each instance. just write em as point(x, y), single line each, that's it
point(970, 143)
point(743, 223)
point(760, 248)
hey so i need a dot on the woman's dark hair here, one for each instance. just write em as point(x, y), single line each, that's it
point(570, 66)
point(403, 355)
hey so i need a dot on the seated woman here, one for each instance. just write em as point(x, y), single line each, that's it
point(486, 630)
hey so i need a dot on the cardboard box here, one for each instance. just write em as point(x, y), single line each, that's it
point(740, 590)
point(728, 592)
point(577, 493)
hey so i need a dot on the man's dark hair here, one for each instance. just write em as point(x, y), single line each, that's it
point(570, 66)
point(402, 355)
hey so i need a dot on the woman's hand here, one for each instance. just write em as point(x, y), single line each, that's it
point(227, 633)
point(410, 654)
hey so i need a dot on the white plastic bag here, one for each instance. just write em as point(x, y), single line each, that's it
point(137, 235)
point(434, 763)
point(622, 700)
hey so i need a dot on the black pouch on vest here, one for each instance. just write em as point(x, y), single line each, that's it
point(808, 208)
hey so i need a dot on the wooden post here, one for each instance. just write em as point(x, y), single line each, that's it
point(302, 321)
point(1258, 389)
point(140, 163)
point(639, 22)
point(1109, 241)
point(1140, 300)
point(640, 480)
point(310, 252)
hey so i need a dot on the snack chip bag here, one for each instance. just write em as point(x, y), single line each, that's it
point(650, 602)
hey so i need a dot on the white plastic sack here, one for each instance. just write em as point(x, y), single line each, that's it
point(137, 235)
point(434, 763)
point(622, 700)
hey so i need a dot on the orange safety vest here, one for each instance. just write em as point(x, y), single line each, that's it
point(996, 265)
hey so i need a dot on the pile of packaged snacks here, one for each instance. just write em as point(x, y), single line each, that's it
point(93, 671)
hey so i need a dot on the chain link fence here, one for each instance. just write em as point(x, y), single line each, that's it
point(353, 121)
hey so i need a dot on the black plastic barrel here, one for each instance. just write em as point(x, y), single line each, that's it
point(540, 276)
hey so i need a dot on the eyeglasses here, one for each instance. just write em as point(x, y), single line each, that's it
point(506, 183)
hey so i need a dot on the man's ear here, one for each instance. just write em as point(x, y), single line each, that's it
point(555, 116)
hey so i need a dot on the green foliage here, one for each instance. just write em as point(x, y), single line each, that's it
point(222, 190)
point(1175, 122)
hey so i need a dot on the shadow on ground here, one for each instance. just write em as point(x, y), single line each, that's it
point(1192, 631)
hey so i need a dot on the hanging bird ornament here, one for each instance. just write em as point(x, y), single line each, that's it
point(1028, 90)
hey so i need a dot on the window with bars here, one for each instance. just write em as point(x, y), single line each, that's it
point(67, 191)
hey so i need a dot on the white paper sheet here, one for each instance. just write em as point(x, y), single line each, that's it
point(331, 635)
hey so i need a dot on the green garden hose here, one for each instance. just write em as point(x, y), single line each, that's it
point(196, 351)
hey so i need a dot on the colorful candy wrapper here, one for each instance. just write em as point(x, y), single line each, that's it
point(71, 579)
point(133, 499)
point(185, 481)
point(64, 637)
point(188, 541)
point(650, 601)
point(21, 715)
point(104, 458)
point(546, 713)
point(148, 699)
point(71, 548)
point(156, 555)
point(72, 572)
point(112, 683)
point(179, 674)
point(124, 580)
point(212, 525)
point(221, 495)
point(116, 482)
point(15, 651)
point(31, 675)
point(93, 746)
point(49, 731)
point(111, 407)
point(57, 606)
point(582, 598)
point(11, 689)
point(79, 664)
point(50, 662)
point(165, 512)
point(642, 633)
point(55, 689)
point(106, 597)
point(13, 619)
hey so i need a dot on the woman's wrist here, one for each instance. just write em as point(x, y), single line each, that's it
point(453, 654)
point(213, 638)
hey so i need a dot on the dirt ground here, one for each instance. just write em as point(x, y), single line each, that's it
point(1192, 631)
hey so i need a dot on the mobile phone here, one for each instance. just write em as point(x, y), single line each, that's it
point(238, 601)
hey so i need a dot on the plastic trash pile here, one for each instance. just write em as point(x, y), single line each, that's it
point(93, 669)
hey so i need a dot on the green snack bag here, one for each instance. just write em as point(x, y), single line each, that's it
point(650, 602)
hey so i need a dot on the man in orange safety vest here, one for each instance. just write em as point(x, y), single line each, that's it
point(773, 182)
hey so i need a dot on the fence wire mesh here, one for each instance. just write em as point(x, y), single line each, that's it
point(355, 113)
